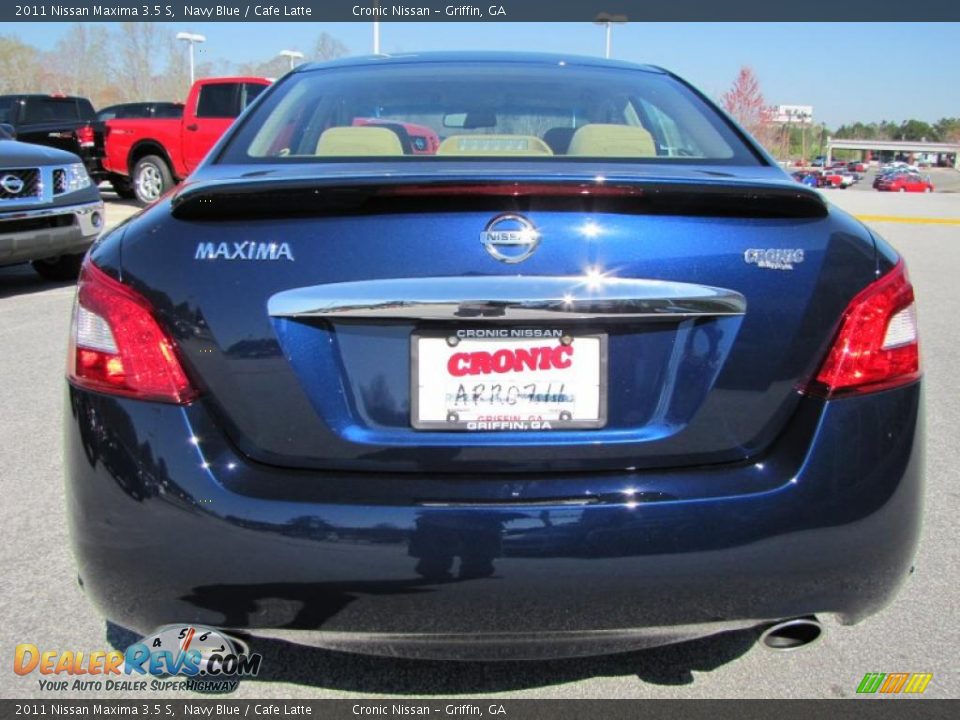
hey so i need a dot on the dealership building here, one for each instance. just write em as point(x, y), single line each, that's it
point(936, 153)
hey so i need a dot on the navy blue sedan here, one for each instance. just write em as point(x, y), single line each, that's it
point(492, 356)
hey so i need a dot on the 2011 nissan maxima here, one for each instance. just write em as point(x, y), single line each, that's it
point(492, 356)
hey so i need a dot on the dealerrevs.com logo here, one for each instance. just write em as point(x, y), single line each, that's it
point(175, 657)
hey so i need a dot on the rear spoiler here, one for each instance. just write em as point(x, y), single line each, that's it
point(337, 196)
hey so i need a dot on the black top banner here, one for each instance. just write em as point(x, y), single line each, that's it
point(499, 11)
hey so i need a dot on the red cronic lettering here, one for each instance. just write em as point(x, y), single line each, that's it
point(480, 363)
point(505, 361)
point(526, 358)
point(457, 364)
point(562, 356)
point(545, 358)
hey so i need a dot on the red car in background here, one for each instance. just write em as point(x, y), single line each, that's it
point(905, 183)
point(148, 156)
point(415, 139)
point(831, 179)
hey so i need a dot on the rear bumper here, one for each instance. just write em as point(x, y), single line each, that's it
point(45, 232)
point(170, 524)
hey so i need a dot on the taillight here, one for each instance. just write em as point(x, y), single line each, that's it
point(117, 346)
point(86, 136)
point(877, 346)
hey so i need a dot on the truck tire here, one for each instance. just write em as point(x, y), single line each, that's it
point(123, 187)
point(63, 267)
point(151, 178)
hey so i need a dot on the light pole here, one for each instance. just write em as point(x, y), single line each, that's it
point(293, 55)
point(376, 30)
point(191, 39)
point(608, 21)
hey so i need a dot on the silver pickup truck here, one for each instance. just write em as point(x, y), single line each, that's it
point(50, 210)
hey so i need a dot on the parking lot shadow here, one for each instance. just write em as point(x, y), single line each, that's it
point(22, 280)
point(318, 668)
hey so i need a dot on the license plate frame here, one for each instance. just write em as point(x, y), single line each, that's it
point(597, 423)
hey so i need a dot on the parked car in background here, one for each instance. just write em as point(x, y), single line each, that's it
point(416, 139)
point(151, 155)
point(856, 167)
point(138, 110)
point(809, 179)
point(904, 182)
point(128, 111)
point(525, 396)
point(889, 174)
point(898, 166)
point(63, 122)
point(847, 178)
point(832, 179)
point(50, 209)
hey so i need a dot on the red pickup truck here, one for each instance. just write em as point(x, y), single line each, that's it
point(146, 157)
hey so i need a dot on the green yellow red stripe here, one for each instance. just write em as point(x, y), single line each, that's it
point(894, 683)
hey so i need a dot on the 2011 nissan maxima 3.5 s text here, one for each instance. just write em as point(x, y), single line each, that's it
point(492, 356)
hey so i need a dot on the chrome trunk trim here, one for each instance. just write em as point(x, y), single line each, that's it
point(514, 298)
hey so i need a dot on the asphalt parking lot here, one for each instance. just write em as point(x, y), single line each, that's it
point(42, 604)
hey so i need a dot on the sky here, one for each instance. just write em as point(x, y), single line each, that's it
point(846, 71)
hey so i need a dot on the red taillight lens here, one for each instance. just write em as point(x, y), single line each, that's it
point(877, 347)
point(117, 346)
point(85, 136)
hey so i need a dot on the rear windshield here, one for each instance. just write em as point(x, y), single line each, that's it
point(168, 110)
point(226, 99)
point(41, 110)
point(495, 111)
point(124, 112)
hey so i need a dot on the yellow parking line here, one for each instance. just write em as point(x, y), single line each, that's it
point(905, 219)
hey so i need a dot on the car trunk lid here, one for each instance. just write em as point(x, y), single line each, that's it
point(304, 309)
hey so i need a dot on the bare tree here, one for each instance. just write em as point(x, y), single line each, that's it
point(139, 46)
point(20, 66)
point(274, 67)
point(81, 60)
point(215, 68)
point(174, 83)
point(328, 47)
point(129, 63)
point(744, 101)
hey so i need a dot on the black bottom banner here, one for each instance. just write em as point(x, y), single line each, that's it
point(513, 709)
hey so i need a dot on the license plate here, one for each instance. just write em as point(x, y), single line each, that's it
point(493, 380)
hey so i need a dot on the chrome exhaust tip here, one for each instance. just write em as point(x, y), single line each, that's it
point(792, 634)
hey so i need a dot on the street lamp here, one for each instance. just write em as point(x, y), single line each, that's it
point(191, 39)
point(376, 29)
point(608, 21)
point(293, 55)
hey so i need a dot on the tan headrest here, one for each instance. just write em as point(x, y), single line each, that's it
point(358, 141)
point(600, 140)
point(494, 145)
